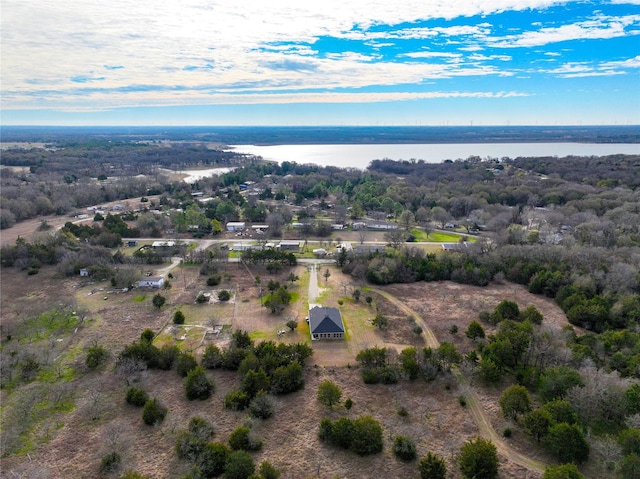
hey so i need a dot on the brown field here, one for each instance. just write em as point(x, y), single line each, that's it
point(70, 445)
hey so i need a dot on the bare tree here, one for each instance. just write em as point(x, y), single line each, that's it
point(395, 237)
point(362, 234)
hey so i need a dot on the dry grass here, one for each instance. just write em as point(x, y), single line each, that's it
point(436, 421)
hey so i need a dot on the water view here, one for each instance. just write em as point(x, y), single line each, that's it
point(359, 156)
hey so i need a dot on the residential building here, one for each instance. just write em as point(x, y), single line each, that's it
point(155, 282)
point(325, 323)
point(236, 226)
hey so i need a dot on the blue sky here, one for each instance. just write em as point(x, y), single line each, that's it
point(330, 62)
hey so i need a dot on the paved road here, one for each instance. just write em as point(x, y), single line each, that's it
point(314, 289)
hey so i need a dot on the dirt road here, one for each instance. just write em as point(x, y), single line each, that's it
point(479, 416)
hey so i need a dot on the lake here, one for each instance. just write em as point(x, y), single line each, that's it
point(360, 155)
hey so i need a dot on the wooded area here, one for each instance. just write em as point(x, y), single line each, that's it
point(567, 229)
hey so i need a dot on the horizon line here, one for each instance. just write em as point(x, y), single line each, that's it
point(577, 125)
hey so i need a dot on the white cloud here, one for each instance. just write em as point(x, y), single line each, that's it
point(598, 28)
point(584, 69)
point(429, 54)
point(164, 52)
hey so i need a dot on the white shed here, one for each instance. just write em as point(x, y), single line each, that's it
point(236, 226)
point(151, 282)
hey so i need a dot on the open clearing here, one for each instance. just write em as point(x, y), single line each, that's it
point(70, 444)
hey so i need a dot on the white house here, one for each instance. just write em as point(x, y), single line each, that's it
point(151, 282)
point(289, 245)
point(245, 247)
point(236, 226)
point(163, 244)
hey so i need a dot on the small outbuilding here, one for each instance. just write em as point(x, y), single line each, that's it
point(289, 245)
point(155, 282)
point(325, 323)
point(236, 226)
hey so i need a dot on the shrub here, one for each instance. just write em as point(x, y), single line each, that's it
point(268, 471)
point(329, 393)
point(537, 423)
point(362, 436)
point(462, 401)
point(254, 381)
point(432, 466)
point(556, 381)
point(137, 397)
point(564, 471)
point(239, 465)
point(214, 280)
point(110, 463)
point(188, 445)
point(147, 336)
point(629, 441)
point(561, 411)
point(531, 314)
point(224, 295)
point(348, 404)
point(197, 385)
point(292, 324)
point(630, 466)
point(367, 436)
point(158, 300)
point(201, 428)
point(404, 448)
point(201, 298)
point(567, 443)
point(213, 458)
point(242, 439)
point(237, 400)
point(178, 317)
point(474, 331)
point(167, 356)
point(133, 475)
point(212, 357)
point(507, 432)
point(478, 459)
point(515, 400)
point(261, 406)
point(153, 412)
point(287, 379)
point(96, 356)
point(185, 362)
point(506, 310)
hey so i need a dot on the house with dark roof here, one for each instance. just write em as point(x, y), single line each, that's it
point(325, 323)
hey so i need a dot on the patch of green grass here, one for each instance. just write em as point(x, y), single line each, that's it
point(258, 335)
point(51, 375)
point(140, 298)
point(33, 415)
point(48, 324)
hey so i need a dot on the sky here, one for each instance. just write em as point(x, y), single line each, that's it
point(329, 62)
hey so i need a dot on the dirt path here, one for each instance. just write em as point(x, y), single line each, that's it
point(479, 416)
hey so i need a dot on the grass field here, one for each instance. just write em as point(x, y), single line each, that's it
point(438, 237)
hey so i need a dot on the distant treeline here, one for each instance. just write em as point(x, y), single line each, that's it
point(328, 134)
